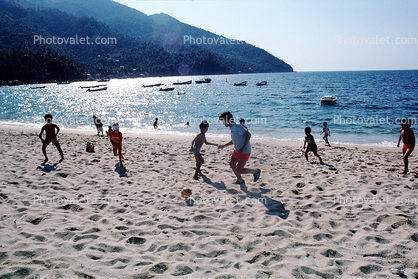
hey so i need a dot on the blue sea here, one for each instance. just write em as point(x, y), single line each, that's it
point(368, 109)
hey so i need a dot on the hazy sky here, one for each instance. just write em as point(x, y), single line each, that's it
point(310, 35)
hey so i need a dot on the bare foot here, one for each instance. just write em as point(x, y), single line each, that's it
point(195, 177)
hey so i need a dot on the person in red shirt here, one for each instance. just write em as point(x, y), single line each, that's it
point(115, 137)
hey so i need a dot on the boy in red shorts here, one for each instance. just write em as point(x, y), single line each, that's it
point(240, 138)
point(116, 139)
point(50, 136)
point(408, 138)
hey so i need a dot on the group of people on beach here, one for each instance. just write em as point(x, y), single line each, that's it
point(240, 138)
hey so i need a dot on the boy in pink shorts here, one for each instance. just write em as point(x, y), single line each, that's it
point(240, 138)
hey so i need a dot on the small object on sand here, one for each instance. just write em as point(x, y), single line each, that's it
point(186, 193)
point(397, 271)
point(90, 147)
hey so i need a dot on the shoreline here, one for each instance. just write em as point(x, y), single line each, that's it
point(274, 142)
point(141, 77)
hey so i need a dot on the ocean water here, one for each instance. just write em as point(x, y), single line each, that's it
point(367, 112)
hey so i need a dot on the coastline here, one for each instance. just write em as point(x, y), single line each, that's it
point(217, 137)
point(354, 216)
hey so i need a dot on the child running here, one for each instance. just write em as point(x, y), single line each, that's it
point(197, 143)
point(326, 133)
point(50, 136)
point(408, 138)
point(115, 137)
point(309, 139)
point(240, 138)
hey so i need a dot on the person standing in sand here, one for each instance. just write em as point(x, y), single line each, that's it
point(98, 124)
point(326, 133)
point(408, 138)
point(240, 138)
point(197, 143)
point(309, 139)
point(50, 136)
point(115, 137)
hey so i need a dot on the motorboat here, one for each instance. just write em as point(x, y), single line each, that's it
point(167, 89)
point(181, 83)
point(244, 83)
point(261, 83)
point(63, 82)
point(328, 100)
point(15, 82)
point(206, 80)
point(92, 86)
point(153, 85)
point(97, 89)
point(37, 87)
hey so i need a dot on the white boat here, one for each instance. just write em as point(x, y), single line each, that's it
point(97, 89)
point(244, 83)
point(152, 85)
point(261, 83)
point(328, 100)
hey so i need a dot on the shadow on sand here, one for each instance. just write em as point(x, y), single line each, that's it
point(45, 167)
point(121, 170)
point(273, 207)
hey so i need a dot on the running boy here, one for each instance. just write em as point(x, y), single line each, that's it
point(115, 137)
point(408, 138)
point(50, 136)
point(240, 138)
point(326, 133)
point(197, 143)
point(309, 139)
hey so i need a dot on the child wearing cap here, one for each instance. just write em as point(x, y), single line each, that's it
point(115, 137)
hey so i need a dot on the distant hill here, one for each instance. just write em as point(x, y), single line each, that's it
point(167, 32)
point(21, 59)
point(145, 44)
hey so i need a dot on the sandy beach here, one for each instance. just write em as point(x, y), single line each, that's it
point(87, 217)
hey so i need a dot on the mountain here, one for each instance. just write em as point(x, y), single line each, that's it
point(167, 32)
point(143, 44)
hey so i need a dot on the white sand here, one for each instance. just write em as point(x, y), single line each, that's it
point(354, 217)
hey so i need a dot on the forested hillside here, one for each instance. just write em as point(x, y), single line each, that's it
point(150, 45)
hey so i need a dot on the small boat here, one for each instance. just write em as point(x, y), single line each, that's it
point(152, 85)
point(103, 80)
point(15, 82)
point(37, 87)
point(262, 83)
point(167, 89)
point(181, 83)
point(183, 93)
point(206, 80)
point(328, 100)
point(244, 83)
point(63, 82)
point(92, 86)
point(97, 89)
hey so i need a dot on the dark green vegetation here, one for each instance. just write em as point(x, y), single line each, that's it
point(150, 45)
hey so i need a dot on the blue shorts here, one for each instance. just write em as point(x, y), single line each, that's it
point(196, 149)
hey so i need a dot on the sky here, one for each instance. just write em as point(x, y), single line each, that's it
point(310, 35)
